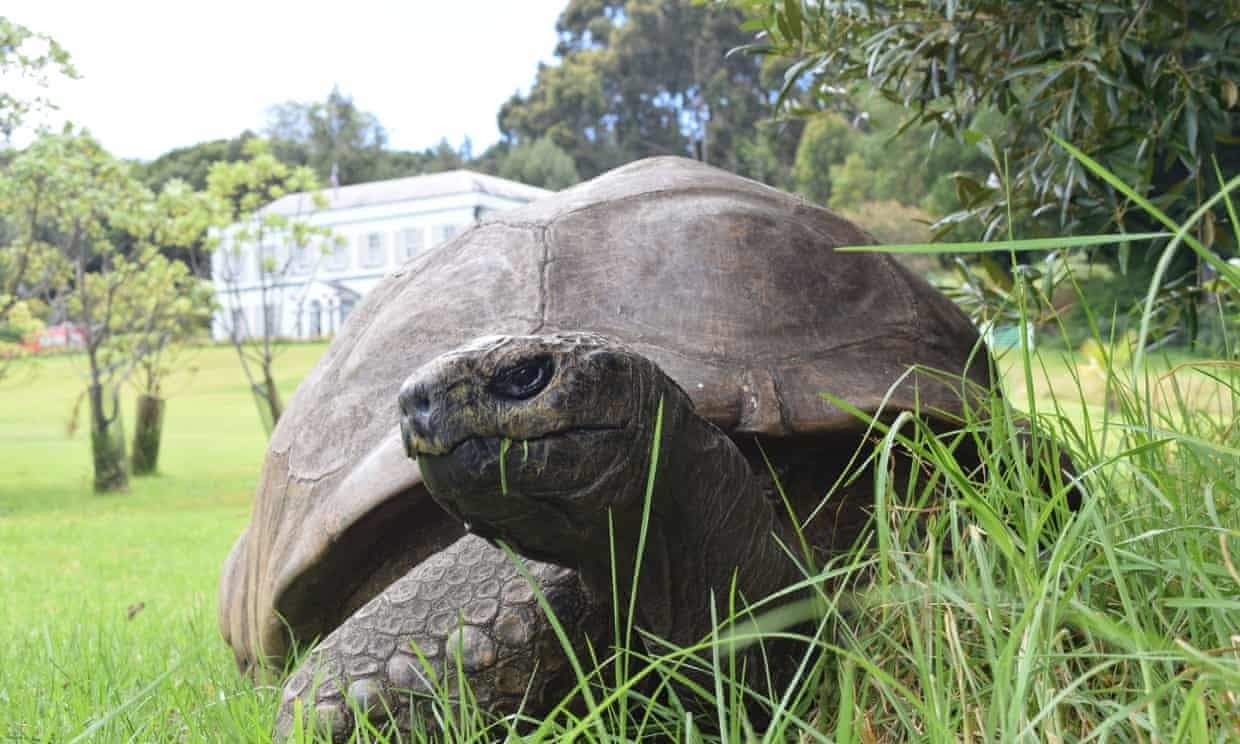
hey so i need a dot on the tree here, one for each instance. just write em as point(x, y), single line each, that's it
point(317, 134)
point(541, 163)
point(343, 144)
point(20, 323)
point(827, 141)
point(332, 136)
point(24, 268)
point(566, 105)
point(171, 305)
point(72, 202)
point(276, 239)
point(637, 78)
point(25, 54)
point(191, 164)
point(29, 265)
point(913, 167)
point(1147, 89)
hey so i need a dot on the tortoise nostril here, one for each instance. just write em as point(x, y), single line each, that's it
point(420, 402)
point(415, 402)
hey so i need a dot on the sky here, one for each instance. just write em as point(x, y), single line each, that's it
point(166, 74)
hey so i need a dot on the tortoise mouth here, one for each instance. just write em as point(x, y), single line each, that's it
point(491, 480)
point(577, 431)
point(493, 444)
point(494, 462)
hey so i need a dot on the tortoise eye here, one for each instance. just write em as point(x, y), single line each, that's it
point(523, 380)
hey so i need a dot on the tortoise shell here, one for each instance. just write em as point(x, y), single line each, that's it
point(734, 288)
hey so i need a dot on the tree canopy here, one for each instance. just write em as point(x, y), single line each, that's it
point(85, 235)
point(1147, 89)
point(539, 163)
point(333, 135)
point(637, 78)
point(191, 164)
point(32, 56)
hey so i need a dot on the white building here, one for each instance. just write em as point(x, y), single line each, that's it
point(308, 291)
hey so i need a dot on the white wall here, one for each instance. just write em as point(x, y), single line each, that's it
point(400, 231)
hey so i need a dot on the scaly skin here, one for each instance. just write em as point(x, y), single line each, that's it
point(468, 597)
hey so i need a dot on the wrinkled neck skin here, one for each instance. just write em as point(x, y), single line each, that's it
point(710, 526)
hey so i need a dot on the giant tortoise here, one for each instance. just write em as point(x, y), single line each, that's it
point(726, 292)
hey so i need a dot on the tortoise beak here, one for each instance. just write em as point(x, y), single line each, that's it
point(416, 415)
point(406, 438)
point(431, 401)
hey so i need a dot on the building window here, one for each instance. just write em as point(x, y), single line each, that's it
point(346, 307)
point(338, 258)
point(411, 242)
point(372, 250)
point(441, 234)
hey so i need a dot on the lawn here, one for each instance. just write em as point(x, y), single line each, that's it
point(1127, 626)
point(73, 564)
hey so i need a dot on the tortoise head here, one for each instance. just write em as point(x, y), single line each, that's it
point(534, 439)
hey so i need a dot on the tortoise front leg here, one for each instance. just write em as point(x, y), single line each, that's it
point(469, 601)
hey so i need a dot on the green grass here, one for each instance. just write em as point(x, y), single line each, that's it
point(1124, 625)
point(72, 563)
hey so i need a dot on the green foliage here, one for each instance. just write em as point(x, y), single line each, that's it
point(20, 322)
point(893, 222)
point(247, 185)
point(637, 78)
point(1146, 89)
point(191, 164)
point(891, 183)
point(320, 135)
point(845, 166)
point(567, 106)
point(327, 135)
point(14, 328)
point(25, 54)
point(825, 144)
point(87, 234)
point(129, 301)
point(174, 306)
point(336, 138)
point(541, 163)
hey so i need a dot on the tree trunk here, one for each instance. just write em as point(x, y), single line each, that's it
point(107, 445)
point(147, 429)
point(267, 398)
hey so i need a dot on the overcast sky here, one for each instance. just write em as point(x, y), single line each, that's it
point(162, 74)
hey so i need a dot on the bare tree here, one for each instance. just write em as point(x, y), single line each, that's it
point(258, 246)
